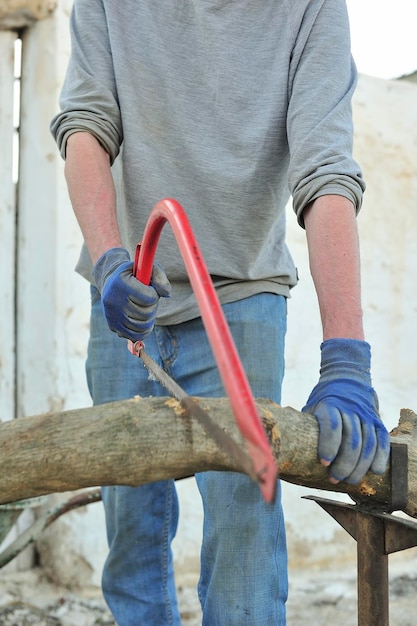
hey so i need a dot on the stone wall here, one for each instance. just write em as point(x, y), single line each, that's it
point(18, 14)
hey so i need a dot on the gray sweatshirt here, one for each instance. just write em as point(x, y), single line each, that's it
point(227, 106)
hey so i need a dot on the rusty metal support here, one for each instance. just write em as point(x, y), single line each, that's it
point(372, 565)
point(377, 535)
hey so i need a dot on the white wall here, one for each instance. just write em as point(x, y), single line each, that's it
point(53, 300)
point(385, 114)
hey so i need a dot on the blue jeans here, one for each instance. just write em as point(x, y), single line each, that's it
point(243, 580)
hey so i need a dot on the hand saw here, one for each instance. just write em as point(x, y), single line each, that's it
point(261, 467)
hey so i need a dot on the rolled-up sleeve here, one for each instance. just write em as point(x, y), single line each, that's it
point(88, 100)
point(320, 129)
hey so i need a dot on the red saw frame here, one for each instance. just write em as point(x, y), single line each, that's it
point(218, 332)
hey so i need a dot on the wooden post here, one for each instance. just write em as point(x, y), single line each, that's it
point(50, 369)
point(7, 227)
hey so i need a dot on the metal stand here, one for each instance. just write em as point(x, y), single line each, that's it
point(377, 534)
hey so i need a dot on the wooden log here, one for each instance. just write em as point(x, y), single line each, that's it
point(18, 14)
point(141, 440)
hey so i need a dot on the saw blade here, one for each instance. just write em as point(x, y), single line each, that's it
point(222, 439)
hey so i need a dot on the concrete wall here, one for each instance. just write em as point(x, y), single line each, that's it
point(52, 314)
point(44, 303)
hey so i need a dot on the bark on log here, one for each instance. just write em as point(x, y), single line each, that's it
point(141, 440)
point(17, 14)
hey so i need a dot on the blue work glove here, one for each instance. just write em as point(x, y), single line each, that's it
point(352, 439)
point(129, 306)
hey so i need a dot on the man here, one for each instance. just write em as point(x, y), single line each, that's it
point(228, 107)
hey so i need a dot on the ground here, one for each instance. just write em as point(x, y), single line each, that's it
point(318, 597)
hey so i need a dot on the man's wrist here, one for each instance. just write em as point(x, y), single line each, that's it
point(346, 358)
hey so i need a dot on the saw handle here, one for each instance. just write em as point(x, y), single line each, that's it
point(218, 332)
